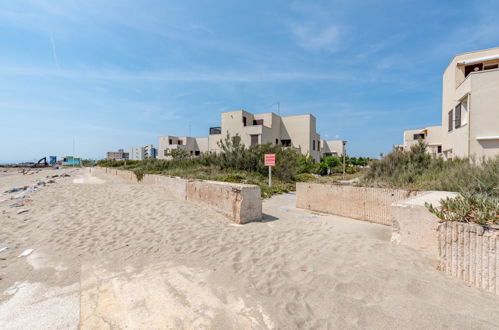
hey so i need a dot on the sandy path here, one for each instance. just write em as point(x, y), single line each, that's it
point(134, 257)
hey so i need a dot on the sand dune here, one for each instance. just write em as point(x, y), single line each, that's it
point(142, 259)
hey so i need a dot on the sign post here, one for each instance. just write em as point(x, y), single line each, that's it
point(270, 161)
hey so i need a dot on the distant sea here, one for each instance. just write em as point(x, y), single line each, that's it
point(7, 162)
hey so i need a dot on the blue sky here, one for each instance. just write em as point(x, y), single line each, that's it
point(115, 74)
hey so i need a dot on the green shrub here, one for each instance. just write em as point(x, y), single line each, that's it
point(468, 207)
point(178, 154)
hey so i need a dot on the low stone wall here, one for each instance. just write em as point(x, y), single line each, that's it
point(363, 203)
point(415, 226)
point(239, 202)
point(470, 253)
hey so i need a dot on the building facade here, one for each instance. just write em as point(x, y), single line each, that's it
point(141, 153)
point(431, 135)
point(470, 105)
point(119, 155)
point(333, 148)
point(470, 109)
point(297, 131)
point(193, 146)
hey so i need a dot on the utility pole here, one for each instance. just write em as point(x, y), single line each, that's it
point(344, 158)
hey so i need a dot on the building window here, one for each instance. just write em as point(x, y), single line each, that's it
point(244, 121)
point(180, 142)
point(258, 122)
point(170, 141)
point(215, 130)
point(318, 145)
point(286, 143)
point(458, 116)
point(191, 152)
point(450, 118)
point(491, 67)
point(197, 152)
point(313, 144)
point(418, 136)
point(254, 139)
point(276, 141)
point(166, 152)
point(439, 149)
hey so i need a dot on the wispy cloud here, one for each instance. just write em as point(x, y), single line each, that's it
point(170, 115)
point(54, 51)
point(230, 76)
point(312, 37)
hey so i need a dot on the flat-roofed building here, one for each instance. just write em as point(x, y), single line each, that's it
point(298, 131)
point(118, 155)
point(470, 105)
point(470, 109)
point(333, 148)
point(193, 146)
point(141, 153)
point(431, 135)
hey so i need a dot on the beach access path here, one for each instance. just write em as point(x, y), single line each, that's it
point(109, 254)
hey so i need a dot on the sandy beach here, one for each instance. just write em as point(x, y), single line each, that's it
point(108, 254)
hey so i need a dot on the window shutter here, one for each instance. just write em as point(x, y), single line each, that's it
point(450, 125)
point(458, 115)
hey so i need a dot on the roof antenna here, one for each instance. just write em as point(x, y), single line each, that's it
point(278, 107)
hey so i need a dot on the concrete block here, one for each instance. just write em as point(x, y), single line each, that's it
point(239, 202)
point(414, 225)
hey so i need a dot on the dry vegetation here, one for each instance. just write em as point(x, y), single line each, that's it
point(476, 181)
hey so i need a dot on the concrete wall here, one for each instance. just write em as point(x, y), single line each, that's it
point(368, 204)
point(239, 202)
point(470, 253)
point(414, 225)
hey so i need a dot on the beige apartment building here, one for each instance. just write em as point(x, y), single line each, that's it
point(298, 131)
point(470, 109)
point(193, 146)
point(431, 135)
point(470, 105)
point(333, 147)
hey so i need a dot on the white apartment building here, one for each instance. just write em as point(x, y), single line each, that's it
point(193, 146)
point(298, 131)
point(470, 109)
point(141, 153)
